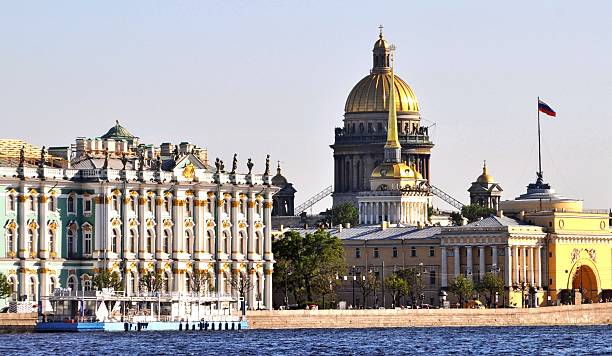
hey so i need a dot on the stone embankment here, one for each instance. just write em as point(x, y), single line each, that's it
point(10, 322)
point(592, 314)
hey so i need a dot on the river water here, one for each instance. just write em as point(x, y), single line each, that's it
point(574, 340)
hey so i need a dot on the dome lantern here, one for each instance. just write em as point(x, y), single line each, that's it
point(381, 54)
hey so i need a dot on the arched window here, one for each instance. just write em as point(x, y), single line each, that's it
point(224, 246)
point(71, 242)
point(166, 242)
point(133, 203)
point(188, 207)
point(51, 203)
point(258, 242)
point(115, 241)
point(149, 247)
point(150, 204)
point(10, 243)
point(72, 283)
point(188, 241)
point(87, 284)
point(30, 241)
point(32, 202)
point(242, 240)
point(71, 209)
point(167, 204)
point(53, 285)
point(14, 286)
point(51, 234)
point(133, 242)
point(166, 282)
point(32, 289)
point(11, 202)
point(87, 242)
point(210, 243)
point(115, 202)
point(188, 282)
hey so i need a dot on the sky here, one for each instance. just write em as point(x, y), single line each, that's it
point(259, 77)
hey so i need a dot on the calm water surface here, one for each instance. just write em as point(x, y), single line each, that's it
point(508, 340)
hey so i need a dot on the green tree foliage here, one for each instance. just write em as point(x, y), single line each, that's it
point(457, 218)
point(462, 287)
point(474, 212)
point(414, 278)
point(308, 265)
point(5, 287)
point(107, 279)
point(151, 281)
point(343, 214)
point(368, 283)
point(490, 284)
point(397, 286)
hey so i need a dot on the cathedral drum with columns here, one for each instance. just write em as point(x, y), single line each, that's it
point(359, 144)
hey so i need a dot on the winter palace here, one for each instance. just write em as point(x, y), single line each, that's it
point(113, 203)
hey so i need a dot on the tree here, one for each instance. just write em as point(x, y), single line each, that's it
point(462, 287)
point(414, 279)
point(201, 282)
point(397, 286)
point(474, 212)
point(241, 282)
point(490, 285)
point(368, 283)
point(107, 279)
point(457, 218)
point(306, 264)
point(5, 287)
point(343, 214)
point(151, 281)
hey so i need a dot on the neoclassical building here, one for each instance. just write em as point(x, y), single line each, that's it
point(359, 144)
point(485, 191)
point(113, 203)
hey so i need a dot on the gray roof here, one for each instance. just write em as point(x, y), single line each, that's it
point(374, 232)
point(495, 221)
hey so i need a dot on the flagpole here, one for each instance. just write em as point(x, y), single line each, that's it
point(539, 145)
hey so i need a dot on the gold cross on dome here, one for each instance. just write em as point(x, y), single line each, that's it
point(380, 27)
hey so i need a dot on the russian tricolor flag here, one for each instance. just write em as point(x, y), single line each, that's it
point(543, 107)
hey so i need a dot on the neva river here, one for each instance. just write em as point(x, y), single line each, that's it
point(592, 340)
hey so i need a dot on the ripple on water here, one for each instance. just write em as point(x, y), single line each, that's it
point(484, 340)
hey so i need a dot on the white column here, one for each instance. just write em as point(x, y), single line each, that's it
point(469, 262)
point(539, 266)
point(457, 261)
point(361, 220)
point(508, 267)
point(532, 266)
point(524, 258)
point(494, 263)
point(481, 260)
point(443, 268)
point(516, 265)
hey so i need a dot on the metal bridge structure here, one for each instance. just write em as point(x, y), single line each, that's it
point(313, 200)
point(329, 190)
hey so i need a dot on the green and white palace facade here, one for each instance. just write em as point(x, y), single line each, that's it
point(112, 203)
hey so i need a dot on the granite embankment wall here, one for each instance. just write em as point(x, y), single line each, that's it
point(17, 322)
point(592, 314)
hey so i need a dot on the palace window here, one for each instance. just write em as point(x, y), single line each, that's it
point(376, 254)
point(115, 202)
point(242, 243)
point(413, 251)
point(30, 241)
point(51, 203)
point(211, 241)
point(357, 252)
point(134, 203)
point(87, 243)
point(188, 242)
point(11, 202)
point(188, 207)
point(72, 283)
point(394, 251)
point(71, 204)
point(71, 242)
point(87, 285)
point(10, 242)
point(87, 206)
point(51, 241)
point(432, 277)
point(133, 241)
point(32, 203)
point(432, 251)
point(166, 241)
point(115, 241)
point(149, 247)
point(167, 204)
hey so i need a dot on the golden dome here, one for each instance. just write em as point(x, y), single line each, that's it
point(391, 170)
point(485, 177)
point(371, 94)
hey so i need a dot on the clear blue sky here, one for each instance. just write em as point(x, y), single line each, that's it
point(257, 77)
